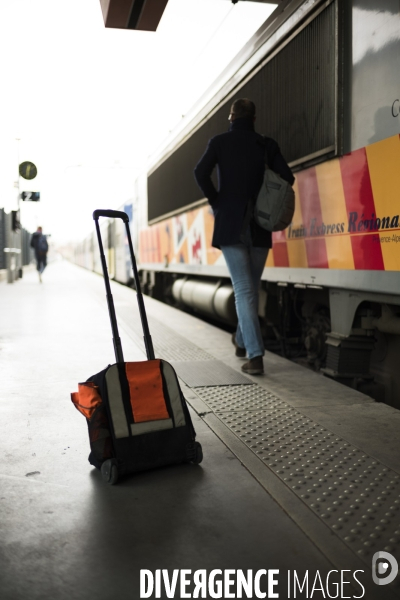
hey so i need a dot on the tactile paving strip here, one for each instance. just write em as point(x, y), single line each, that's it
point(236, 397)
point(201, 373)
point(175, 347)
point(167, 344)
point(354, 494)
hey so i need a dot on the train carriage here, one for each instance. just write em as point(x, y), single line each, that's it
point(325, 80)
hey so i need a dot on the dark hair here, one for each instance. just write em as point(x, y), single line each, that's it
point(243, 108)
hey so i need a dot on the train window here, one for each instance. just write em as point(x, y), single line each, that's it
point(295, 92)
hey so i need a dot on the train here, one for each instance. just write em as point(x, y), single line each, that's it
point(325, 79)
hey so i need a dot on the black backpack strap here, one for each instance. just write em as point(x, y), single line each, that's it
point(265, 152)
point(269, 159)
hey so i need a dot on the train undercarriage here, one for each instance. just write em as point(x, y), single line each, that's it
point(352, 337)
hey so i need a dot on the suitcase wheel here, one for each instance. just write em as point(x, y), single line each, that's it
point(109, 471)
point(195, 454)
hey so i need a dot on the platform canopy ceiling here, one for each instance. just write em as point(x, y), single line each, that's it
point(143, 15)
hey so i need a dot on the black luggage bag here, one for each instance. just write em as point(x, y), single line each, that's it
point(136, 413)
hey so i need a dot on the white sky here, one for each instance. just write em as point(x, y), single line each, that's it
point(90, 104)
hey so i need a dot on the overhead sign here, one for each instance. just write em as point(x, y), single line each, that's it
point(143, 15)
point(27, 170)
point(31, 196)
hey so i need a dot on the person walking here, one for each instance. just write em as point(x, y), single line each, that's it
point(41, 247)
point(240, 155)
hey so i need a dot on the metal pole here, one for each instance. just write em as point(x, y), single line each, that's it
point(19, 234)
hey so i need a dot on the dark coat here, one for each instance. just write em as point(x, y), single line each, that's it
point(240, 156)
point(39, 248)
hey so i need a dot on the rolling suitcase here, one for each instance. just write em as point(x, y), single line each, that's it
point(136, 414)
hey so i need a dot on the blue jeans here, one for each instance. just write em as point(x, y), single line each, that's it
point(246, 264)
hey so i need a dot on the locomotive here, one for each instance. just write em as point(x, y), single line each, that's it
point(325, 80)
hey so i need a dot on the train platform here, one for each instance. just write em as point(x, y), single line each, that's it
point(300, 482)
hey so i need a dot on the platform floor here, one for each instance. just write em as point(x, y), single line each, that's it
point(299, 473)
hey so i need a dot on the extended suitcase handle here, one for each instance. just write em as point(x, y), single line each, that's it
point(112, 214)
point(117, 214)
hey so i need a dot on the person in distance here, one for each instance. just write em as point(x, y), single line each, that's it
point(41, 247)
